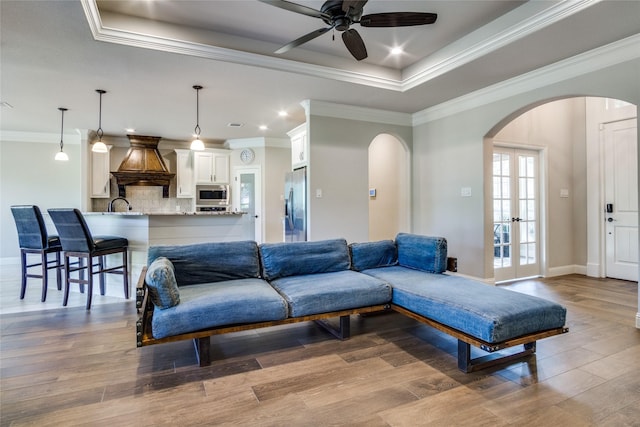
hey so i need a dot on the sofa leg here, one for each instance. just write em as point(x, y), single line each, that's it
point(467, 364)
point(203, 350)
point(343, 332)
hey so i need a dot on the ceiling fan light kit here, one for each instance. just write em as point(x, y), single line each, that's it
point(341, 14)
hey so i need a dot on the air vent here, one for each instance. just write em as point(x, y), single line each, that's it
point(235, 125)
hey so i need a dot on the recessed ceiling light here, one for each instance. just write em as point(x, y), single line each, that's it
point(263, 127)
point(282, 113)
point(130, 130)
point(234, 125)
point(396, 50)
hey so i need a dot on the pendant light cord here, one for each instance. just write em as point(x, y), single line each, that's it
point(100, 132)
point(62, 110)
point(197, 128)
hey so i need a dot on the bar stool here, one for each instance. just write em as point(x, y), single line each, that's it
point(77, 242)
point(33, 239)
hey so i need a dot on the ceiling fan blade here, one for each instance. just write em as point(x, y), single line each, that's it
point(354, 43)
point(301, 40)
point(297, 8)
point(353, 7)
point(398, 19)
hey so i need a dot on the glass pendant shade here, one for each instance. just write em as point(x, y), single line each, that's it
point(61, 155)
point(197, 145)
point(99, 147)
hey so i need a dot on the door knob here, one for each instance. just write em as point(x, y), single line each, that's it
point(610, 219)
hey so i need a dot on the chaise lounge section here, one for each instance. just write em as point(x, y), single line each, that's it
point(487, 317)
point(197, 291)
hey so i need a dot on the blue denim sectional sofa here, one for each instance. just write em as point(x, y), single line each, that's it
point(197, 291)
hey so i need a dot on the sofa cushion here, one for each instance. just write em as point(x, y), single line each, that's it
point(422, 252)
point(208, 305)
point(366, 255)
point(210, 262)
point(490, 313)
point(327, 292)
point(163, 289)
point(301, 258)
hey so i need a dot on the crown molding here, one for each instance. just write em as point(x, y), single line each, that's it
point(514, 25)
point(130, 38)
point(596, 59)
point(258, 142)
point(522, 21)
point(350, 112)
point(71, 138)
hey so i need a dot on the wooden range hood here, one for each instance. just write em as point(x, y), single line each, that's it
point(143, 165)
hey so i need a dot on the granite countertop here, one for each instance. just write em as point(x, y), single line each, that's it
point(131, 213)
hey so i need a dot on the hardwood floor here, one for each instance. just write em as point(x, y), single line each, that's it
point(67, 366)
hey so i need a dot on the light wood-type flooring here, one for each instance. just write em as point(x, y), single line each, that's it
point(67, 366)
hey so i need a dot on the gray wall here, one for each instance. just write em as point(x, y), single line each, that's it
point(447, 152)
point(30, 175)
point(339, 168)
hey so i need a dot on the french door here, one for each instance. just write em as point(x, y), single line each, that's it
point(516, 214)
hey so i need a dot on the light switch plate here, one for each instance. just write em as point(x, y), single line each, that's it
point(465, 192)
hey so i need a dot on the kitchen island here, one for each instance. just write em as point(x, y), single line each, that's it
point(144, 229)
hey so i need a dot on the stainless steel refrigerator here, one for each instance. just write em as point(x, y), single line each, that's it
point(295, 206)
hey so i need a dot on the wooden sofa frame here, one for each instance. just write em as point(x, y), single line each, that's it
point(202, 339)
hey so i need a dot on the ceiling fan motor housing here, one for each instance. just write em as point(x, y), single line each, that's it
point(339, 19)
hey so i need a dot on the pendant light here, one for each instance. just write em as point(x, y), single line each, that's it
point(61, 155)
point(197, 144)
point(99, 146)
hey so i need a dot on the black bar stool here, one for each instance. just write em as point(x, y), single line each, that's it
point(33, 239)
point(77, 242)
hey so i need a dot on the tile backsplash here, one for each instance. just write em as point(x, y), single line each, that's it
point(144, 199)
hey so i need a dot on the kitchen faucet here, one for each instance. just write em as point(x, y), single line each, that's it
point(110, 207)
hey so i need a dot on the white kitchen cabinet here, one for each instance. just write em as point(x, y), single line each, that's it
point(184, 174)
point(298, 146)
point(211, 167)
point(100, 174)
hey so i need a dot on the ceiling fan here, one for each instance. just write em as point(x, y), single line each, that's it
point(340, 14)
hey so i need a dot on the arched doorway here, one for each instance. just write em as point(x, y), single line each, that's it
point(568, 135)
point(389, 189)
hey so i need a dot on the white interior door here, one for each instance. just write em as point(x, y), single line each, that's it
point(621, 199)
point(248, 198)
point(516, 214)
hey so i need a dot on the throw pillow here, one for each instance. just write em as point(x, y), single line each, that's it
point(161, 280)
point(378, 254)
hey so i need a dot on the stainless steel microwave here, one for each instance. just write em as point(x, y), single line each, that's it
point(212, 195)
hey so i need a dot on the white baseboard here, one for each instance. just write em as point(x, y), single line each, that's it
point(567, 269)
point(638, 320)
point(593, 270)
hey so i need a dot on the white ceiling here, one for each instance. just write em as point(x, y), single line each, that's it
point(147, 55)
